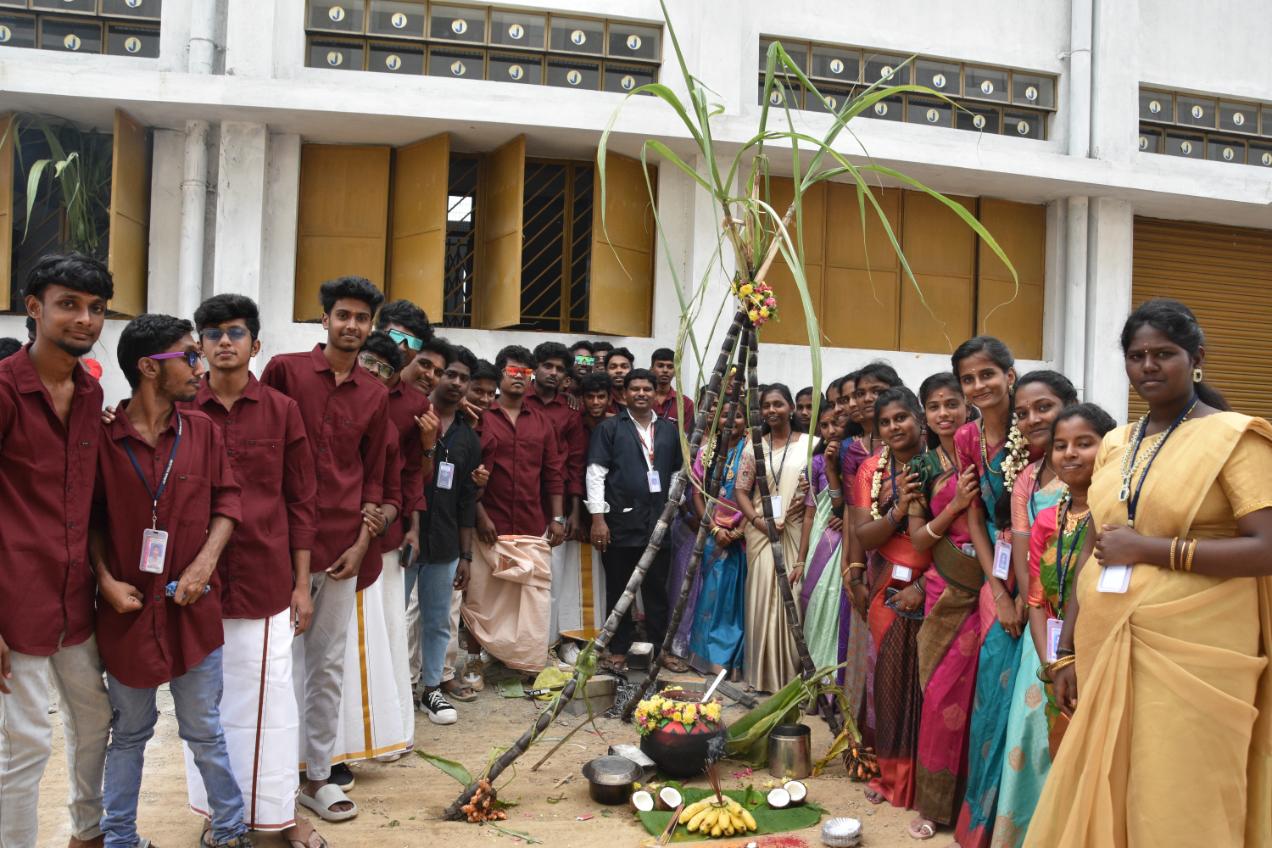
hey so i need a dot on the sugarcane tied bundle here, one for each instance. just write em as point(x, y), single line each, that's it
point(718, 816)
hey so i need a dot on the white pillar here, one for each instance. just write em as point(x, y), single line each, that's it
point(1072, 349)
point(1115, 80)
point(240, 209)
point(249, 38)
point(1108, 302)
point(278, 265)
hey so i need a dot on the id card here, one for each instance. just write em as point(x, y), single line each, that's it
point(1002, 559)
point(1054, 626)
point(1115, 579)
point(154, 550)
point(445, 475)
point(655, 480)
point(775, 502)
point(904, 573)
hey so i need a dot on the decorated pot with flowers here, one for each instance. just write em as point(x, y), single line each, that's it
point(675, 731)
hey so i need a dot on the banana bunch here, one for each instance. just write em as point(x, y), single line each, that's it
point(712, 818)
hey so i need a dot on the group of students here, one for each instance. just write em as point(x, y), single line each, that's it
point(944, 547)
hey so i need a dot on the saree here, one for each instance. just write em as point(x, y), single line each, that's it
point(897, 696)
point(683, 536)
point(771, 657)
point(948, 645)
point(1047, 546)
point(1171, 743)
point(718, 628)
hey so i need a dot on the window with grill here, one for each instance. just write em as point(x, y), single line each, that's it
point(117, 27)
point(1198, 126)
point(461, 241)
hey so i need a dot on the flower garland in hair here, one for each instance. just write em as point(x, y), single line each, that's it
point(1017, 454)
point(876, 482)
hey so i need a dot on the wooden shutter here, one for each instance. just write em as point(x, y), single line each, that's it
point(129, 215)
point(861, 296)
point(1224, 275)
point(497, 281)
point(621, 282)
point(417, 258)
point(790, 326)
point(343, 219)
point(1021, 231)
point(941, 250)
point(8, 129)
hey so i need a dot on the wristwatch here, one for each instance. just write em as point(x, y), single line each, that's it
point(466, 556)
point(431, 451)
point(558, 519)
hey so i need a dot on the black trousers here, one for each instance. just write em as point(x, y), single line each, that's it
point(619, 564)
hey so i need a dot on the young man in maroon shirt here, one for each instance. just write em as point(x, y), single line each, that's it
point(265, 568)
point(49, 433)
point(346, 415)
point(618, 364)
point(165, 505)
point(667, 402)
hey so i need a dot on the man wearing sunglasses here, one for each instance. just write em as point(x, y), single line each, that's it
point(265, 568)
point(165, 506)
point(346, 415)
point(520, 449)
point(582, 360)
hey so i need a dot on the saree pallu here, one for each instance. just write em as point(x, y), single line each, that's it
point(682, 538)
point(822, 585)
point(947, 654)
point(1171, 743)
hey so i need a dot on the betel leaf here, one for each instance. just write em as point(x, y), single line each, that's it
point(449, 767)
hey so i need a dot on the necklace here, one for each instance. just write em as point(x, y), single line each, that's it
point(1129, 463)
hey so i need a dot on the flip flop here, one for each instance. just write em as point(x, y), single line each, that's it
point(461, 692)
point(322, 801)
point(310, 843)
point(674, 664)
point(874, 797)
point(919, 829)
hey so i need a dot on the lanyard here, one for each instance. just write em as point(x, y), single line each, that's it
point(1065, 562)
point(1132, 504)
point(1037, 487)
point(777, 478)
point(156, 494)
point(648, 447)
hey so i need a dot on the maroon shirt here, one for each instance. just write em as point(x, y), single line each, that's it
point(162, 641)
point(348, 429)
point(46, 485)
point(269, 453)
point(525, 466)
point(373, 562)
point(406, 403)
point(673, 411)
point(571, 439)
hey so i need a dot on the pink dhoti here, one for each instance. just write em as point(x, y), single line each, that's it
point(508, 602)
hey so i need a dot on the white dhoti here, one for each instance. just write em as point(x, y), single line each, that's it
point(567, 591)
point(261, 722)
point(370, 717)
point(393, 581)
point(413, 636)
point(508, 602)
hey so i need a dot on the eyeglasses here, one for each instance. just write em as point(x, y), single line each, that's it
point(411, 341)
point(190, 356)
point(585, 360)
point(215, 334)
point(378, 367)
point(514, 372)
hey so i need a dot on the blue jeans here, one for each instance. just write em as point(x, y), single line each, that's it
point(197, 697)
point(434, 581)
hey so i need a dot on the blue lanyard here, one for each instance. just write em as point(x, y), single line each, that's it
point(156, 494)
point(1132, 505)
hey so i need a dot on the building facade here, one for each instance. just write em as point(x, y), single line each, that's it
point(1118, 149)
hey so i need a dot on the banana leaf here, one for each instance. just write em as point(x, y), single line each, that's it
point(768, 820)
point(748, 736)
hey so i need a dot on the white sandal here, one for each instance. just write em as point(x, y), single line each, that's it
point(324, 799)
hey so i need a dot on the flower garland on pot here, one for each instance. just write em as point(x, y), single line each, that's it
point(658, 711)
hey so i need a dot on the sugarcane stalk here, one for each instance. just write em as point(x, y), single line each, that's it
point(674, 496)
point(714, 476)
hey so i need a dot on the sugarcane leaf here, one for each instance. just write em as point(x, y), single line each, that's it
point(33, 187)
point(447, 767)
point(845, 740)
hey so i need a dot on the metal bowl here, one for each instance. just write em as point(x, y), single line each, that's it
point(610, 779)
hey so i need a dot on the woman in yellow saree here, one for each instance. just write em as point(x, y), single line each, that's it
point(1171, 739)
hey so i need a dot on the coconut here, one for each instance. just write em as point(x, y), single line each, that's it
point(669, 798)
point(779, 798)
point(642, 801)
point(796, 790)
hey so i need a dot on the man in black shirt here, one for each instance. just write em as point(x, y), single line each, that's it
point(631, 459)
point(447, 527)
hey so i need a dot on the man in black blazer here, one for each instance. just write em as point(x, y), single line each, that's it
point(630, 463)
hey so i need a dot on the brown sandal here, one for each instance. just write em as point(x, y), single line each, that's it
point(674, 664)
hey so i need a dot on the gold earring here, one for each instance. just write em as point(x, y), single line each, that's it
point(1197, 375)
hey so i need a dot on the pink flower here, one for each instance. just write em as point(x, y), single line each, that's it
point(770, 302)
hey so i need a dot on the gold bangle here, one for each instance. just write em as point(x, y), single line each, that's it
point(930, 531)
point(1188, 555)
point(1047, 672)
point(853, 565)
point(1174, 543)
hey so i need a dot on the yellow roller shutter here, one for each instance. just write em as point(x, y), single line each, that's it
point(343, 220)
point(861, 291)
point(7, 131)
point(790, 327)
point(1224, 274)
point(1021, 231)
point(621, 283)
point(941, 250)
point(417, 258)
point(497, 281)
point(129, 241)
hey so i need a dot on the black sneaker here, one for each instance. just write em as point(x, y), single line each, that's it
point(438, 708)
point(342, 776)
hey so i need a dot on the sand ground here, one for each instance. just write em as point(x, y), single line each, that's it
point(400, 802)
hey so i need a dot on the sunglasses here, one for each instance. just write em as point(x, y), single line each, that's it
point(399, 337)
point(379, 368)
point(514, 372)
point(191, 357)
point(585, 360)
point(215, 334)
